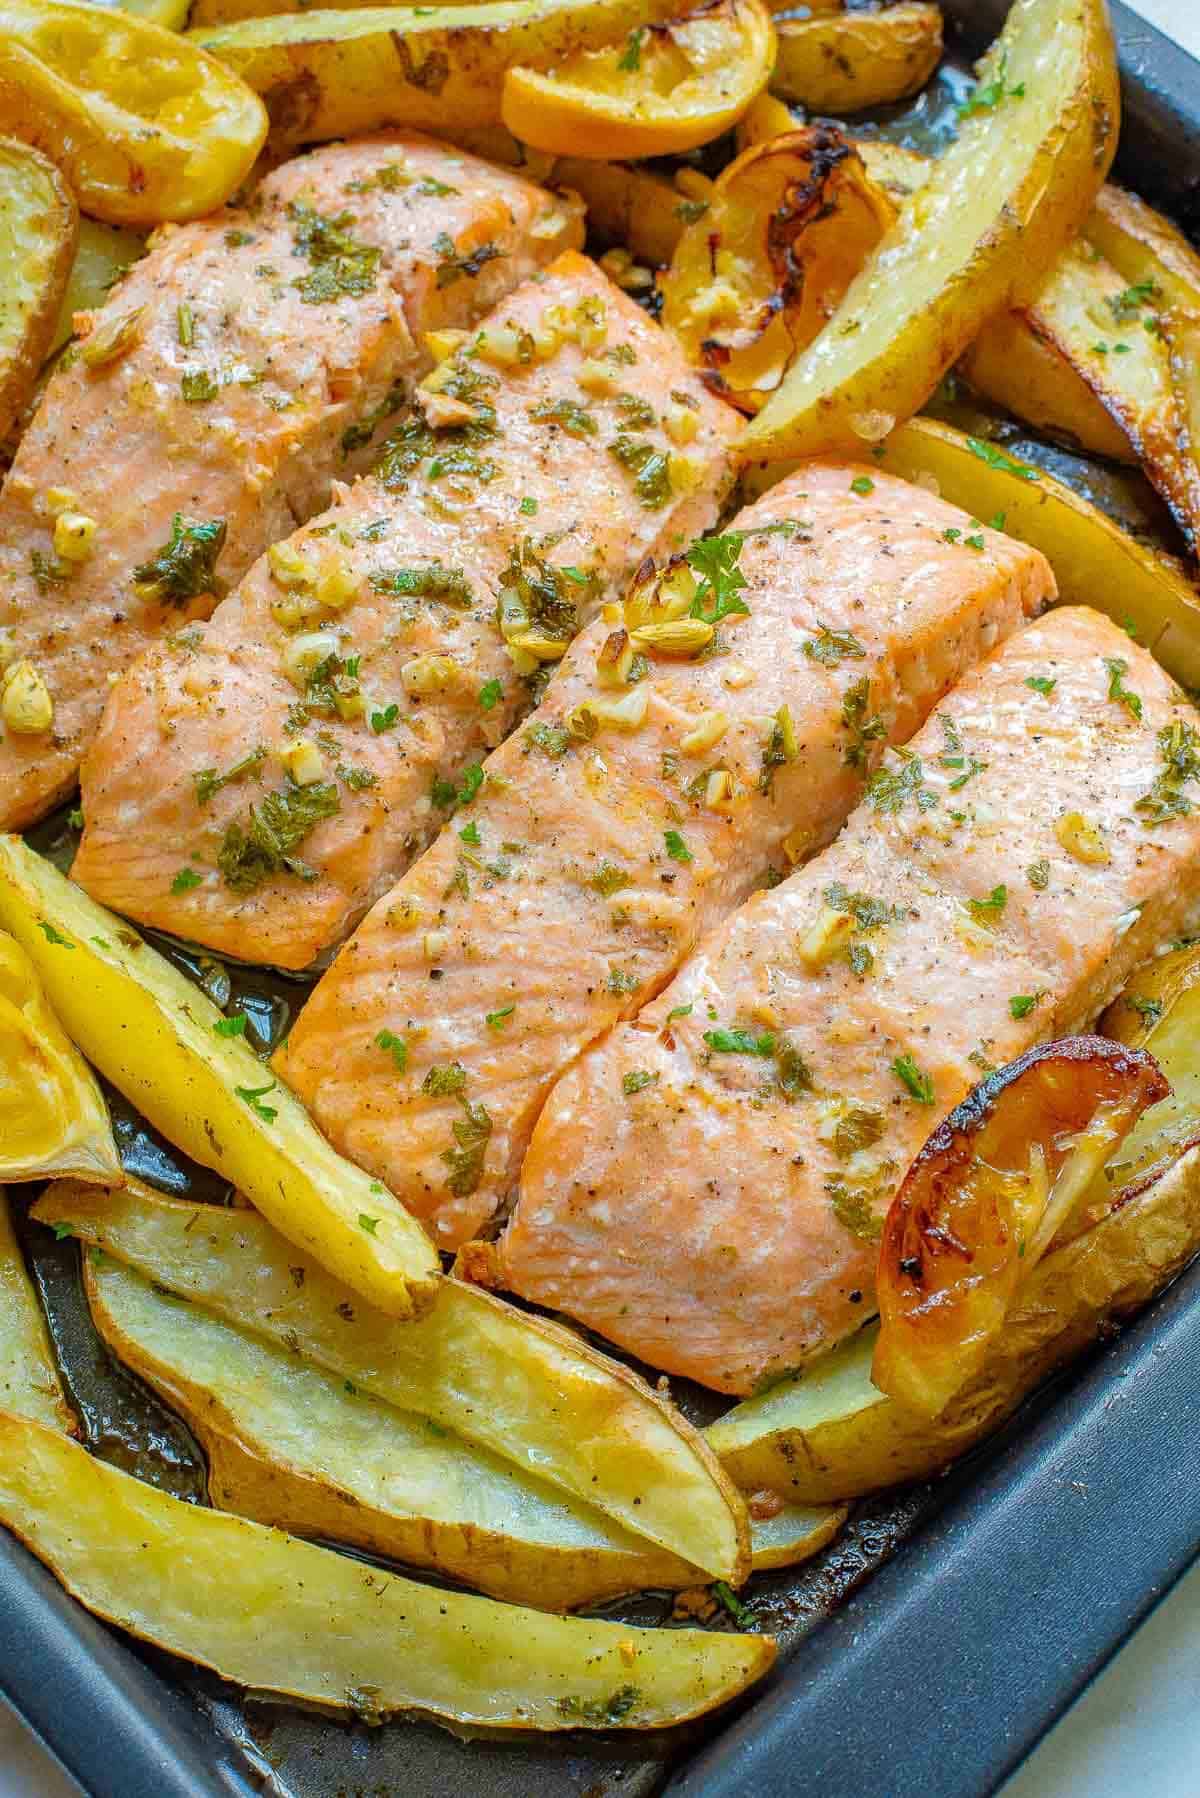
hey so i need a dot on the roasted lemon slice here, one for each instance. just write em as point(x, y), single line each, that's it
point(666, 88)
point(52, 1117)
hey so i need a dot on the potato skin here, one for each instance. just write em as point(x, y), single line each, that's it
point(845, 62)
point(38, 250)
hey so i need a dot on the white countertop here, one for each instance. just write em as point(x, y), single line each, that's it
point(1136, 1729)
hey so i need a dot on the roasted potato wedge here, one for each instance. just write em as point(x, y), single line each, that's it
point(341, 1635)
point(330, 74)
point(993, 1187)
point(667, 88)
point(170, 14)
point(1161, 1003)
point(794, 1533)
point(157, 1037)
point(1112, 339)
point(102, 255)
point(526, 1389)
point(831, 1434)
point(53, 1119)
point(292, 1445)
point(1033, 380)
point(37, 246)
point(144, 125)
point(29, 1383)
point(627, 205)
point(1094, 561)
point(839, 62)
point(789, 224)
point(978, 237)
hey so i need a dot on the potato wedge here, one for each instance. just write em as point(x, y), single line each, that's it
point(627, 205)
point(1162, 270)
point(155, 1035)
point(794, 1534)
point(170, 14)
point(144, 125)
point(994, 1185)
point(53, 1119)
point(102, 255)
point(292, 1445)
point(342, 1636)
point(1033, 380)
point(789, 224)
point(1094, 561)
point(1112, 339)
point(665, 89)
point(37, 245)
point(844, 62)
point(831, 1434)
point(528, 1390)
point(330, 74)
point(29, 1382)
point(978, 237)
point(1161, 1002)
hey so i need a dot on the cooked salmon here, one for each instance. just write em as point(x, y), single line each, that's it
point(706, 1185)
point(593, 858)
point(256, 784)
point(246, 362)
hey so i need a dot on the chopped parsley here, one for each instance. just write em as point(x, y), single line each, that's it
point(551, 739)
point(469, 834)
point(185, 326)
point(918, 1085)
point(636, 1081)
point(609, 879)
point(677, 849)
point(741, 1613)
point(741, 1042)
point(1117, 670)
point(490, 695)
point(679, 1011)
point(1021, 1004)
point(990, 910)
point(1038, 874)
point(369, 1224)
point(613, 1709)
point(864, 726)
point(265, 844)
point(621, 981)
point(49, 571)
point(984, 98)
point(339, 265)
point(630, 59)
point(496, 1020)
point(207, 781)
point(1149, 1010)
point(715, 560)
point(528, 506)
point(234, 1025)
point(52, 936)
point(862, 484)
point(445, 1082)
point(1128, 303)
point(464, 1162)
point(253, 1097)
point(852, 1206)
point(452, 267)
point(1041, 683)
point(383, 717)
point(987, 452)
point(568, 414)
point(1179, 750)
point(395, 1046)
point(890, 789)
point(185, 566)
point(650, 468)
point(198, 387)
point(184, 881)
point(434, 581)
point(831, 647)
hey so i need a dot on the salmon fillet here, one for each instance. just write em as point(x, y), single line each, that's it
point(585, 870)
point(235, 371)
point(706, 1186)
point(362, 658)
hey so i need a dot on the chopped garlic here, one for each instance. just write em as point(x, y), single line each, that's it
point(705, 734)
point(675, 636)
point(305, 654)
point(303, 761)
point(429, 674)
point(1082, 839)
point(25, 706)
point(825, 938)
point(74, 533)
